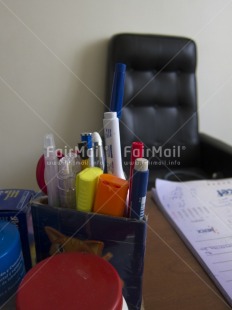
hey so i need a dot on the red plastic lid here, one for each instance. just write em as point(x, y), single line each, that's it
point(71, 281)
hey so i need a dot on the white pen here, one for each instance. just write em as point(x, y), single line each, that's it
point(99, 158)
point(113, 144)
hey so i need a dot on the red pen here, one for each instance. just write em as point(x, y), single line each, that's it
point(136, 152)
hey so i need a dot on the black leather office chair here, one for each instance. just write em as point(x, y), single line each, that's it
point(160, 108)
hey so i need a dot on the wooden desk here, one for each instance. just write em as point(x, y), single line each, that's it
point(173, 278)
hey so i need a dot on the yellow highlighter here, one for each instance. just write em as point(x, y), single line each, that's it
point(86, 182)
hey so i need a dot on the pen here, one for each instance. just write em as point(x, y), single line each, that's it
point(118, 89)
point(113, 144)
point(136, 152)
point(67, 180)
point(139, 188)
point(82, 147)
point(51, 170)
point(111, 124)
point(87, 137)
point(98, 153)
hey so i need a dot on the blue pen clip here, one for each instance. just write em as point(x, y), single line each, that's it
point(118, 89)
point(87, 137)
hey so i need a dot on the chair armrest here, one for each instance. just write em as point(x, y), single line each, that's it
point(216, 156)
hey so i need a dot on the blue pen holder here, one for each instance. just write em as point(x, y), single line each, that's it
point(121, 240)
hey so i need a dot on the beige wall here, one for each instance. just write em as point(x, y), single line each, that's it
point(52, 68)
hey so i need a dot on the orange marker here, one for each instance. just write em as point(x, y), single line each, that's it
point(111, 195)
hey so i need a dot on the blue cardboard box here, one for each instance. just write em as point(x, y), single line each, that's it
point(15, 208)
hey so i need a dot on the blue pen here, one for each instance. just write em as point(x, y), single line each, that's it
point(87, 137)
point(118, 89)
point(139, 188)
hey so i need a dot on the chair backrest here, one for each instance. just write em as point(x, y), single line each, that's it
point(160, 104)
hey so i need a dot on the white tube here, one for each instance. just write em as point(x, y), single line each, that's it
point(113, 144)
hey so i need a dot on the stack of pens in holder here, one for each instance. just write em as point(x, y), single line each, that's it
point(80, 180)
point(90, 180)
